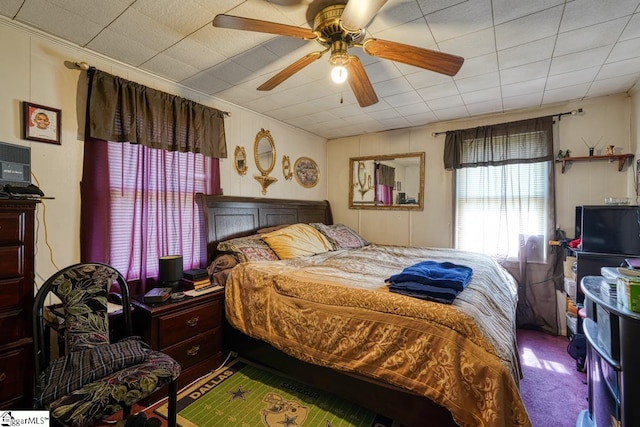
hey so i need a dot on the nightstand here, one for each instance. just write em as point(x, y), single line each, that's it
point(189, 330)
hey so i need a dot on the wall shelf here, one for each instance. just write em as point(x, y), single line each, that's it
point(620, 158)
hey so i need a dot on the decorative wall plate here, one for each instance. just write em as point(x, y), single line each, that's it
point(306, 172)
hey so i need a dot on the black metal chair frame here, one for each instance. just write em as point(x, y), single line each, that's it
point(42, 349)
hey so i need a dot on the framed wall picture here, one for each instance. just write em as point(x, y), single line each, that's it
point(306, 172)
point(40, 123)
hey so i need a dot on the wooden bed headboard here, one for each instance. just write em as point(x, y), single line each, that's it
point(227, 217)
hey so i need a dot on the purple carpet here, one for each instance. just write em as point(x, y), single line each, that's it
point(552, 390)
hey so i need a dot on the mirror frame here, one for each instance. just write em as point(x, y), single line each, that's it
point(240, 151)
point(286, 168)
point(264, 179)
point(363, 184)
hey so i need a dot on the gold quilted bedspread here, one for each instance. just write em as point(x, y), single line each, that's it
point(335, 310)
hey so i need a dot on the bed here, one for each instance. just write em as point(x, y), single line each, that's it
point(330, 320)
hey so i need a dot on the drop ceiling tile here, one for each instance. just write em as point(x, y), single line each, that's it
point(445, 103)
point(439, 91)
point(483, 81)
point(169, 68)
point(470, 45)
point(527, 53)
point(430, 6)
point(140, 28)
point(535, 70)
point(627, 49)
point(482, 95)
point(405, 98)
point(9, 8)
point(584, 13)
point(613, 85)
point(206, 82)
point(620, 68)
point(422, 79)
point(412, 33)
point(486, 107)
point(183, 17)
point(508, 10)
point(569, 79)
point(451, 113)
point(478, 65)
point(59, 22)
point(523, 88)
point(394, 14)
point(565, 93)
point(579, 60)
point(381, 71)
point(522, 101)
point(193, 53)
point(632, 30)
point(120, 47)
point(528, 28)
point(461, 19)
point(413, 109)
point(102, 13)
point(599, 35)
point(229, 43)
point(258, 59)
point(393, 86)
point(421, 118)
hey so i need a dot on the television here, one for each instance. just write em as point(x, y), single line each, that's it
point(609, 229)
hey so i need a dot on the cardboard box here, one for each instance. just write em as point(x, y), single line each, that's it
point(628, 289)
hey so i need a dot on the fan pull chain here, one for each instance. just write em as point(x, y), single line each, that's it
point(341, 100)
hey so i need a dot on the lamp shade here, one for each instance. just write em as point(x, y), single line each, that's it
point(170, 272)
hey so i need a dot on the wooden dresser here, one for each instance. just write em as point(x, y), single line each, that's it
point(16, 303)
point(189, 330)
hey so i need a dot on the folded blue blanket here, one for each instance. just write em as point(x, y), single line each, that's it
point(441, 274)
point(426, 292)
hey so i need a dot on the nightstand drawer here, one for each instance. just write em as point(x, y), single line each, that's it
point(196, 349)
point(189, 323)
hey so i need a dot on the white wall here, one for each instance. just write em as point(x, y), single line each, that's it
point(605, 119)
point(33, 69)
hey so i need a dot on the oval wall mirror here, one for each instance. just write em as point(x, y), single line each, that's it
point(264, 152)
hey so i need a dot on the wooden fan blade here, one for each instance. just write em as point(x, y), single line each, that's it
point(358, 13)
point(360, 83)
point(290, 70)
point(248, 24)
point(432, 60)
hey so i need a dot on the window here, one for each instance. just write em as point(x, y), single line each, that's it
point(503, 180)
point(153, 207)
point(499, 207)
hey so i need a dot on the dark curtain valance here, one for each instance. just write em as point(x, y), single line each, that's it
point(123, 111)
point(525, 141)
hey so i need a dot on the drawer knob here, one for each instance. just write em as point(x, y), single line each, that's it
point(193, 321)
point(3, 376)
point(193, 350)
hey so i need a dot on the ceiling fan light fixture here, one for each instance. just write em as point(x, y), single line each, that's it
point(339, 74)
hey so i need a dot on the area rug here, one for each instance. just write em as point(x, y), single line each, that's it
point(244, 394)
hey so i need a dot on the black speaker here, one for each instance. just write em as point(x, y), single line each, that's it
point(170, 273)
point(402, 198)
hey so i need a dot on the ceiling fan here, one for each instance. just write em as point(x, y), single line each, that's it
point(337, 28)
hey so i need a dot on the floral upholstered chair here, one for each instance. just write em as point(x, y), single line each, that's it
point(94, 378)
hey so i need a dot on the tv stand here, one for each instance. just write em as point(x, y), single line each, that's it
point(613, 372)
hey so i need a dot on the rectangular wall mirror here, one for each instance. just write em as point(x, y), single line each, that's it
point(393, 181)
